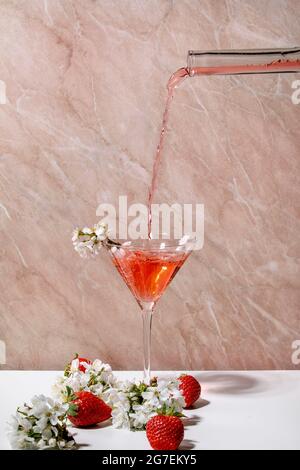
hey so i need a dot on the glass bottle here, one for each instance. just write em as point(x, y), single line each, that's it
point(247, 61)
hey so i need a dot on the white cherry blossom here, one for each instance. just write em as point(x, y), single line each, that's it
point(88, 241)
point(40, 425)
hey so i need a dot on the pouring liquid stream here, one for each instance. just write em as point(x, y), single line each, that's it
point(175, 80)
point(278, 66)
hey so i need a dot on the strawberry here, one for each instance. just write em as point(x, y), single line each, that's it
point(164, 432)
point(86, 409)
point(81, 364)
point(190, 389)
point(83, 360)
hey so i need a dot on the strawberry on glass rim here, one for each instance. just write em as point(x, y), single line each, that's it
point(78, 363)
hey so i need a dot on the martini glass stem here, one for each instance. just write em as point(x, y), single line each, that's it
point(147, 311)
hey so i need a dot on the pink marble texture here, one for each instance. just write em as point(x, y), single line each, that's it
point(85, 93)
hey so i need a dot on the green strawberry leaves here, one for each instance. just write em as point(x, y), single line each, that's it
point(70, 397)
point(169, 411)
point(72, 410)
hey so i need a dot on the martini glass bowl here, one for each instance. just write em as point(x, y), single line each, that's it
point(147, 268)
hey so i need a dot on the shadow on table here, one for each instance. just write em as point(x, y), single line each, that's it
point(187, 444)
point(104, 424)
point(191, 421)
point(231, 383)
point(201, 403)
point(83, 446)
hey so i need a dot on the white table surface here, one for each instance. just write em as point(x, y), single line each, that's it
point(238, 410)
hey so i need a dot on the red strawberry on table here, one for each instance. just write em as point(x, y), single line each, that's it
point(190, 389)
point(165, 432)
point(86, 409)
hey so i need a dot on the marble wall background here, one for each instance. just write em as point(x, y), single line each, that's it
point(85, 92)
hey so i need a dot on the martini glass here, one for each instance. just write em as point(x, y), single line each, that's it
point(147, 268)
